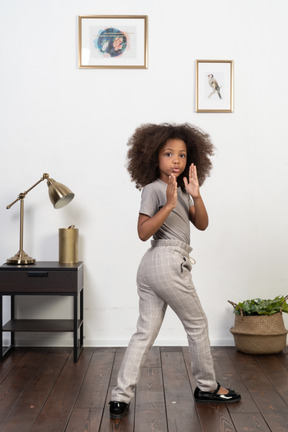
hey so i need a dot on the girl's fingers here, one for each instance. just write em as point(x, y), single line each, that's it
point(171, 192)
point(172, 180)
point(172, 184)
point(192, 171)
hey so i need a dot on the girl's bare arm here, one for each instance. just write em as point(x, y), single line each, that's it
point(197, 213)
point(147, 226)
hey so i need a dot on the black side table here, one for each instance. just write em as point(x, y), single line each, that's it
point(43, 278)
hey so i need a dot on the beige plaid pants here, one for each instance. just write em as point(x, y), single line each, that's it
point(164, 279)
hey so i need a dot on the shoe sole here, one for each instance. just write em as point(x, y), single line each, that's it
point(221, 401)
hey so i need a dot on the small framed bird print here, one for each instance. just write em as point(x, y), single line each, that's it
point(214, 86)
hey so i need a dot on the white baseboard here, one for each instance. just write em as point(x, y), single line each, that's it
point(62, 340)
point(158, 342)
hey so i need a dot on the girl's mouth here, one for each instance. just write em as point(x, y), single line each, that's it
point(176, 170)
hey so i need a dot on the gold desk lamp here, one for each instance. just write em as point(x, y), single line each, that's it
point(60, 196)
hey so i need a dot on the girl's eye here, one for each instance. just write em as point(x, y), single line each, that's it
point(183, 156)
point(168, 154)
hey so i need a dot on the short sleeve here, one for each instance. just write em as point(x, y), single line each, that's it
point(190, 201)
point(149, 201)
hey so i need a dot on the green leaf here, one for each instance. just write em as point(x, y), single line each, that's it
point(261, 306)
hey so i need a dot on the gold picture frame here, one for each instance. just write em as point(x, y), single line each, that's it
point(214, 86)
point(113, 41)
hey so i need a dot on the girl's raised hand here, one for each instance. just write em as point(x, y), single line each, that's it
point(171, 192)
point(192, 187)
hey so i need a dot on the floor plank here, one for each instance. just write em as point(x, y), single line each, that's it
point(150, 403)
point(93, 392)
point(180, 406)
point(250, 423)
point(85, 420)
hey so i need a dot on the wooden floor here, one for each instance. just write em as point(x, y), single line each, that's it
point(42, 389)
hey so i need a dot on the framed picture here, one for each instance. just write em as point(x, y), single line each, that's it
point(214, 86)
point(114, 41)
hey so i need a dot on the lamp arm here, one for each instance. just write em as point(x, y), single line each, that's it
point(22, 195)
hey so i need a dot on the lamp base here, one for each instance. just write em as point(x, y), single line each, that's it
point(21, 258)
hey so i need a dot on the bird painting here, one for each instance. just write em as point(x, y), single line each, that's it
point(214, 85)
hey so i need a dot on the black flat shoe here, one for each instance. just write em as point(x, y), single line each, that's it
point(118, 409)
point(213, 397)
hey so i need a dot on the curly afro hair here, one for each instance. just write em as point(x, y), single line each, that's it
point(146, 142)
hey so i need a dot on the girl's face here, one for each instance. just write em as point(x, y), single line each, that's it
point(172, 159)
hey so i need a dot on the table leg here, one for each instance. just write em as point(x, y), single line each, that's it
point(75, 326)
point(81, 319)
point(12, 311)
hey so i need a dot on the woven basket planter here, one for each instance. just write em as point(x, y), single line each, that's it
point(263, 334)
point(259, 334)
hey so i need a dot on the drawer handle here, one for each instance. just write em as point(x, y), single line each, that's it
point(37, 274)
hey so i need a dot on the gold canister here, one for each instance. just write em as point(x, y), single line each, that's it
point(68, 245)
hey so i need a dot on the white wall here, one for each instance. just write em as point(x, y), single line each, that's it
point(74, 124)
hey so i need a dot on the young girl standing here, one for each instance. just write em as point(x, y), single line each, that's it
point(169, 162)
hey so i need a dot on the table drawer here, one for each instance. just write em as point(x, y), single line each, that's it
point(39, 281)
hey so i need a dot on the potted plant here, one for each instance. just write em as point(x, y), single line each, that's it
point(259, 325)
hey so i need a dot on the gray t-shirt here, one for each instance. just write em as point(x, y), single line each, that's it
point(177, 225)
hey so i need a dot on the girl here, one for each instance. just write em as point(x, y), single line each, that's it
point(162, 160)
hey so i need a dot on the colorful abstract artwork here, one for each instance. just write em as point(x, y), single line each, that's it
point(113, 42)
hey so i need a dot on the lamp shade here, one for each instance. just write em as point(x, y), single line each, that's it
point(59, 194)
